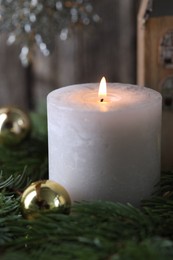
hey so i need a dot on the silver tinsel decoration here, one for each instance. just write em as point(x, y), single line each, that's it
point(39, 21)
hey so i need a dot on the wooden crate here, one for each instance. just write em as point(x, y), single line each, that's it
point(155, 66)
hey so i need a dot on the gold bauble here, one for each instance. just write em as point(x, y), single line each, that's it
point(43, 196)
point(14, 125)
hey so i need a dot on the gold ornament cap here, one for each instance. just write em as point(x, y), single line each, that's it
point(14, 125)
point(43, 196)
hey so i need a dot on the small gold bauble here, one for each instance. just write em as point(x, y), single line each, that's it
point(43, 196)
point(14, 125)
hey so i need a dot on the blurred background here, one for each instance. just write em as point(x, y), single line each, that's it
point(48, 44)
point(107, 48)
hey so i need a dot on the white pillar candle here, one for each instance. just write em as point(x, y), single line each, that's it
point(106, 150)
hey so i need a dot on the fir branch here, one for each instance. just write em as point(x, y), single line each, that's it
point(9, 213)
point(162, 208)
point(165, 186)
point(88, 231)
point(153, 248)
point(23, 164)
point(97, 230)
point(8, 205)
point(14, 182)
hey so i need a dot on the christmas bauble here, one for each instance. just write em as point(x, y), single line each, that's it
point(14, 125)
point(43, 196)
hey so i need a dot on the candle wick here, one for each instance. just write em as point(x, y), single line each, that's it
point(102, 99)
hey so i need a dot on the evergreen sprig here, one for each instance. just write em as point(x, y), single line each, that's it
point(27, 162)
point(93, 230)
point(96, 230)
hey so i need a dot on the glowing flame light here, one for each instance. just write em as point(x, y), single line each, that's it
point(102, 90)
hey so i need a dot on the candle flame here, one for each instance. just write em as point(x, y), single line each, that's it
point(102, 89)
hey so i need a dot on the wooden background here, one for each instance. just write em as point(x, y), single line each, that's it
point(109, 49)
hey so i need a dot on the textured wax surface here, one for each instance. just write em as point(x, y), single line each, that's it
point(120, 96)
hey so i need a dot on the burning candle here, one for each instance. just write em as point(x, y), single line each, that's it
point(105, 146)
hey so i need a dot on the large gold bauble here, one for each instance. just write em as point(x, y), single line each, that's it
point(14, 125)
point(43, 196)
